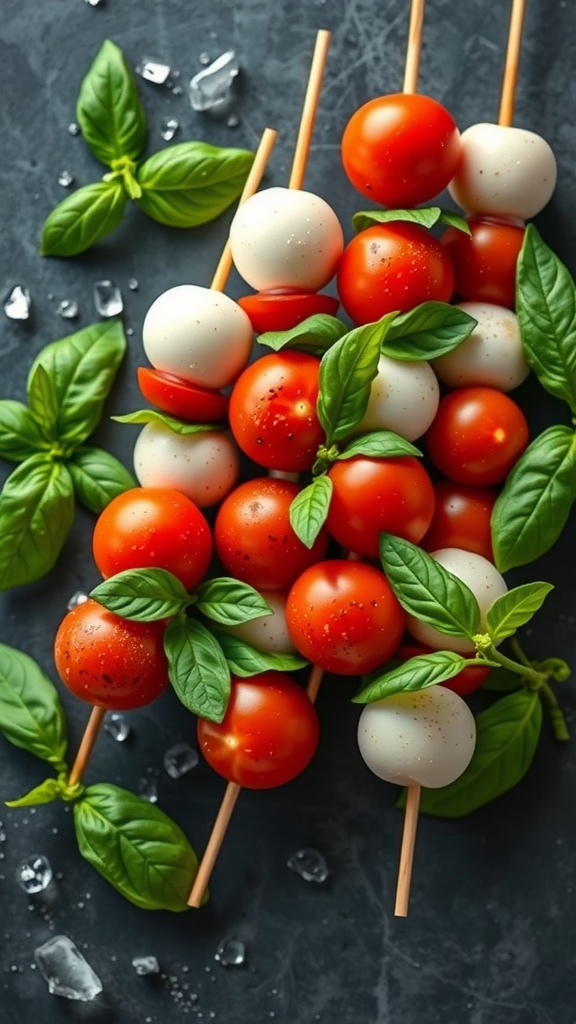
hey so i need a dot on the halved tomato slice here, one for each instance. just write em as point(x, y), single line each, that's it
point(178, 398)
point(279, 311)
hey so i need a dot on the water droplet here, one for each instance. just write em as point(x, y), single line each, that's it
point(168, 128)
point(73, 128)
point(154, 70)
point(230, 953)
point(34, 874)
point(67, 309)
point(116, 726)
point(144, 965)
point(233, 121)
point(211, 87)
point(78, 597)
point(309, 864)
point(65, 179)
point(17, 305)
point(133, 284)
point(179, 759)
point(107, 298)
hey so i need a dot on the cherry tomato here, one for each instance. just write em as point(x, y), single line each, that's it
point(110, 661)
point(254, 538)
point(178, 398)
point(401, 150)
point(279, 311)
point(268, 735)
point(371, 496)
point(343, 616)
point(485, 261)
point(273, 411)
point(153, 527)
point(478, 434)
point(461, 518)
point(392, 267)
point(467, 681)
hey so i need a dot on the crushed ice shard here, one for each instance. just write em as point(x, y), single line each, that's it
point(17, 305)
point(34, 873)
point(66, 970)
point(211, 87)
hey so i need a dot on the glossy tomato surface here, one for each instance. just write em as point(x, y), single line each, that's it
point(176, 397)
point(110, 661)
point(461, 518)
point(392, 267)
point(485, 261)
point(268, 735)
point(279, 311)
point(401, 150)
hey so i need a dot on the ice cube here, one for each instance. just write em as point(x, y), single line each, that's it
point(179, 759)
point(309, 864)
point(145, 965)
point(65, 179)
point(152, 69)
point(17, 305)
point(107, 298)
point(211, 87)
point(78, 597)
point(66, 970)
point(148, 790)
point(231, 953)
point(67, 309)
point(168, 128)
point(117, 726)
point(34, 873)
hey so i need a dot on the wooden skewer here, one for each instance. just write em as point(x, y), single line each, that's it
point(412, 66)
point(87, 742)
point(407, 851)
point(508, 94)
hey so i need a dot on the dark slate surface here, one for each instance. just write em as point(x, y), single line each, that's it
point(491, 933)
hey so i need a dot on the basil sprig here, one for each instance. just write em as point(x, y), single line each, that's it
point(182, 186)
point(67, 386)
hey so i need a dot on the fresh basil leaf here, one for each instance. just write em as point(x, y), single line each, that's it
point(314, 335)
point(502, 680)
point(98, 477)
point(142, 595)
point(244, 660)
point(379, 444)
point(546, 310)
point(82, 368)
point(230, 601)
point(507, 735)
point(20, 434)
point(426, 217)
point(416, 674)
point(515, 608)
point(136, 847)
point(43, 402)
point(36, 515)
point(534, 505)
point(192, 183)
point(31, 713)
point(83, 218)
point(197, 668)
point(108, 110)
point(309, 509)
point(427, 331)
point(46, 793)
point(164, 420)
point(427, 590)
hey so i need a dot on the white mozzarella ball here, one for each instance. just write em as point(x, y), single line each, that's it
point(198, 334)
point(481, 577)
point(503, 172)
point(267, 633)
point(404, 397)
point(286, 238)
point(425, 738)
point(203, 466)
point(491, 356)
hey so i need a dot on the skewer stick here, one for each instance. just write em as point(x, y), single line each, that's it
point(412, 66)
point(508, 94)
point(87, 742)
point(219, 829)
point(407, 851)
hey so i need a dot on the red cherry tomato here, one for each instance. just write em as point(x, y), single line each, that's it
point(477, 435)
point(343, 616)
point(109, 661)
point(279, 311)
point(485, 261)
point(392, 267)
point(153, 527)
point(467, 681)
point(254, 539)
point(273, 411)
point(461, 518)
point(401, 150)
point(371, 496)
point(177, 398)
point(268, 735)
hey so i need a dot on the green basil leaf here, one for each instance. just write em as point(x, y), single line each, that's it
point(31, 713)
point(347, 370)
point(379, 444)
point(426, 217)
point(36, 515)
point(98, 477)
point(82, 368)
point(142, 595)
point(427, 331)
point(197, 668)
point(109, 113)
point(314, 335)
point(546, 310)
point(507, 735)
point(136, 847)
point(192, 183)
point(43, 402)
point(309, 509)
point(244, 660)
point(46, 793)
point(164, 420)
point(230, 601)
point(534, 505)
point(515, 608)
point(502, 680)
point(20, 434)
point(416, 674)
point(83, 218)
point(427, 590)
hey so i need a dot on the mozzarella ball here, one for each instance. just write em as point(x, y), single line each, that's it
point(503, 172)
point(404, 397)
point(425, 738)
point(203, 466)
point(267, 633)
point(198, 334)
point(286, 238)
point(491, 356)
point(482, 578)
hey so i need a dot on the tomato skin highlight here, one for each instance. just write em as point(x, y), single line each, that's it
point(109, 661)
point(467, 681)
point(392, 267)
point(279, 311)
point(371, 496)
point(485, 261)
point(461, 518)
point(176, 397)
point(268, 735)
point(343, 616)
